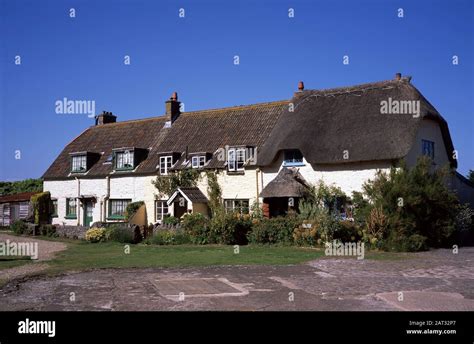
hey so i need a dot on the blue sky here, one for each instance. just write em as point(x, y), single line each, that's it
point(82, 58)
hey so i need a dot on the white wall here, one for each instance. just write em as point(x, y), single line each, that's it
point(429, 130)
point(349, 177)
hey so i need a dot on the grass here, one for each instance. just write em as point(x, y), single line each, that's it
point(7, 262)
point(83, 255)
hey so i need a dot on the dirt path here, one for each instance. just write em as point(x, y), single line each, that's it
point(46, 251)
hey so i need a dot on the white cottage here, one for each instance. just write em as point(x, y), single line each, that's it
point(341, 136)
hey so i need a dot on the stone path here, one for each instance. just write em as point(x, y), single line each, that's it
point(435, 280)
point(46, 251)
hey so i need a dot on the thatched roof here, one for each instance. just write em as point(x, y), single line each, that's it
point(326, 123)
point(323, 125)
point(199, 131)
point(288, 183)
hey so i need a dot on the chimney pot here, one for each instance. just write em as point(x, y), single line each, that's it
point(301, 86)
point(173, 107)
point(398, 76)
point(105, 117)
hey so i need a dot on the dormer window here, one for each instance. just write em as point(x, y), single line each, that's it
point(124, 160)
point(293, 157)
point(198, 161)
point(79, 163)
point(235, 159)
point(165, 164)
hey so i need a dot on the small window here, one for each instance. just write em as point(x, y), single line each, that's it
point(71, 208)
point(124, 160)
point(161, 210)
point(240, 206)
point(54, 208)
point(198, 161)
point(79, 163)
point(117, 208)
point(236, 159)
point(427, 148)
point(292, 157)
point(165, 164)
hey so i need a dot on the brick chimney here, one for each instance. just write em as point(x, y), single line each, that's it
point(172, 108)
point(104, 118)
point(300, 88)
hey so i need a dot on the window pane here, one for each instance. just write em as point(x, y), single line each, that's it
point(231, 160)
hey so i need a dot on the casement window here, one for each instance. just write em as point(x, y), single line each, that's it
point(79, 163)
point(236, 159)
point(54, 208)
point(427, 148)
point(118, 207)
point(198, 161)
point(161, 210)
point(165, 164)
point(292, 157)
point(124, 160)
point(240, 206)
point(71, 208)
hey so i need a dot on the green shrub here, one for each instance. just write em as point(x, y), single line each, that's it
point(306, 234)
point(197, 227)
point(230, 228)
point(401, 243)
point(19, 227)
point(132, 209)
point(414, 201)
point(274, 230)
point(170, 220)
point(119, 233)
point(41, 204)
point(170, 237)
point(48, 230)
point(348, 231)
point(96, 235)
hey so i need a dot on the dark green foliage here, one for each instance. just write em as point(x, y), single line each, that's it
point(231, 228)
point(197, 227)
point(276, 230)
point(19, 227)
point(41, 204)
point(170, 237)
point(27, 185)
point(120, 233)
point(132, 209)
point(414, 201)
point(167, 184)
point(347, 231)
point(48, 230)
point(170, 220)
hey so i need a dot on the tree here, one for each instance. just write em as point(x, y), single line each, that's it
point(27, 185)
point(416, 202)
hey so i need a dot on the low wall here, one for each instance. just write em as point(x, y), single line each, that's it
point(73, 232)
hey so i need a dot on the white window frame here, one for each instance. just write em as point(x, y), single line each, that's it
point(124, 158)
point(236, 159)
point(160, 210)
point(236, 205)
point(165, 164)
point(198, 161)
point(81, 162)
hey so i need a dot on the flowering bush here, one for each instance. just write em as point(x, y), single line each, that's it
point(96, 235)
